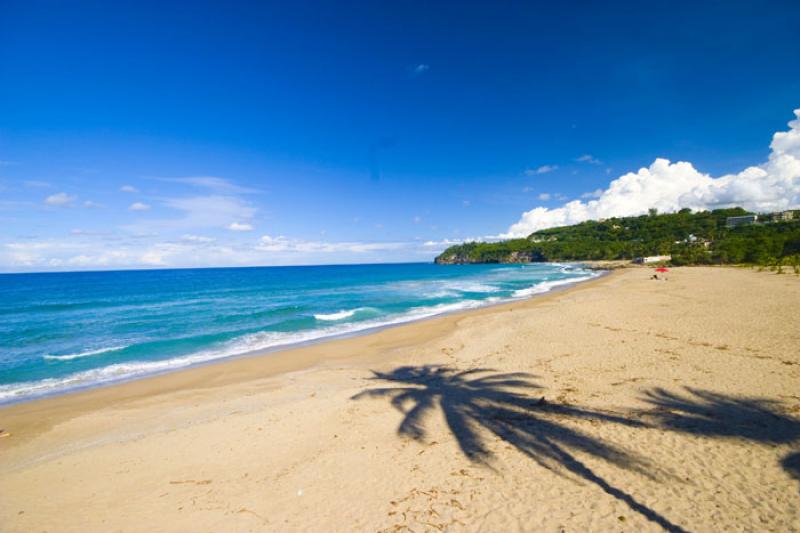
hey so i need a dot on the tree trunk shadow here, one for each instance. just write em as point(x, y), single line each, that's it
point(477, 402)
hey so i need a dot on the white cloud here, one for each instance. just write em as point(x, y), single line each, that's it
point(90, 204)
point(239, 226)
point(60, 199)
point(138, 206)
point(129, 188)
point(419, 70)
point(198, 212)
point(441, 245)
point(222, 208)
point(444, 243)
point(597, 193)
point(285, 244)
point(214, 183)
point(586, 158)
point(771, 186)
point(545, 196)
point(544, 169)
point(83, 251)
point(197, 238)
point(417, 219)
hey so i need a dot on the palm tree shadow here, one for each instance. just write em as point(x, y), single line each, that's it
point(700, 412)
point(477, 403)
point(791, 463)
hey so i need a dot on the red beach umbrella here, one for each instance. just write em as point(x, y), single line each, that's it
point(662, 269)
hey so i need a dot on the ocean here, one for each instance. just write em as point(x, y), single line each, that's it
point(66, 331)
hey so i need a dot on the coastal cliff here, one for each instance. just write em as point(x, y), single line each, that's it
point(456, 258)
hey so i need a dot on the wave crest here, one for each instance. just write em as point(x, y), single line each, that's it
point(547, 286)
point(69, 356)
point(339, 315)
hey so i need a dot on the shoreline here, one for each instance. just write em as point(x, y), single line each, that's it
point(660, 404)
point(260, 364)
point(597, 274)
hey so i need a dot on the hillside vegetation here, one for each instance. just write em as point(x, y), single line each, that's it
point(690, 238)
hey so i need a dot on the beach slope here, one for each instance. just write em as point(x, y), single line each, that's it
point(621, 404)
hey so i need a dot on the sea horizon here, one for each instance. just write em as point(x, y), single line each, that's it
point(155, 269)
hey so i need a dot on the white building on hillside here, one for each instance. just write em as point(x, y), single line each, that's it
point(652, 259)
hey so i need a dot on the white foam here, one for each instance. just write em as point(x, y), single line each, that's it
point(246, 344)
point(337, 316)
point(474, 287)
point(70, 356)
point(442, 288)
point(547, 286)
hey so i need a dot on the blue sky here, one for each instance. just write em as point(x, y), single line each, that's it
point(152, 134)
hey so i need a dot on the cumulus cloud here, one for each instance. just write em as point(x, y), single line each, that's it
point(771, 186)
point(545, 196)
point(544, 169)
point(91, 205)
point(597, 193)
point(129, 188)
point(138, 206)
point(239, 226)
point(60, 199)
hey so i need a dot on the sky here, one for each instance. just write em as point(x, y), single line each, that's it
point(168, 134)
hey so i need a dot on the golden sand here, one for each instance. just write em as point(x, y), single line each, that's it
point(621, 404)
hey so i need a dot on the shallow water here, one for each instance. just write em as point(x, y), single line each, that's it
point(62, 331)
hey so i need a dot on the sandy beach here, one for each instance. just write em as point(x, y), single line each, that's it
point(620, 404)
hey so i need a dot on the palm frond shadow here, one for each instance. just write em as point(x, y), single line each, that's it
point(791, 463)
point(701, 412)
point(477, 403)
point(712, 414)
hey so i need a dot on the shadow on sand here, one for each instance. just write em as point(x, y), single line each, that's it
point(791, 463)
point(478, 403)
point(710, 414)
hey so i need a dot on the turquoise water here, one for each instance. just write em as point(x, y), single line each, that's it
point(62, 331)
